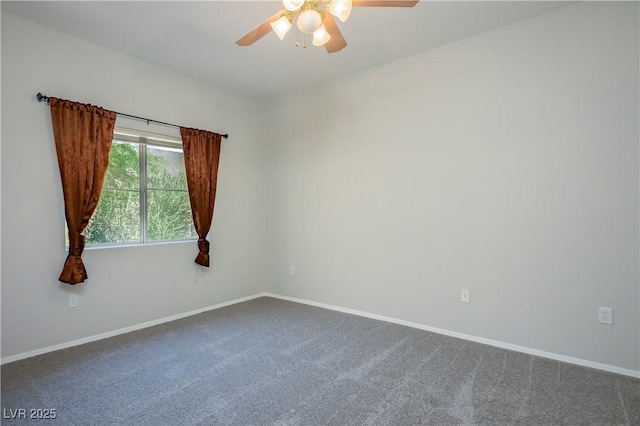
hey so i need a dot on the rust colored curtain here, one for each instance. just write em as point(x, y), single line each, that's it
point(83, 135)
point(201, 158)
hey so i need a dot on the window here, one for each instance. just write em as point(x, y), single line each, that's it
point(145, 197)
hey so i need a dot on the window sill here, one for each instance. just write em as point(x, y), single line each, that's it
point(120, 245)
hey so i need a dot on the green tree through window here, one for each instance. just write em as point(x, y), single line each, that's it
point(144, 198)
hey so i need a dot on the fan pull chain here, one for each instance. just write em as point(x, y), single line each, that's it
point(304, 39)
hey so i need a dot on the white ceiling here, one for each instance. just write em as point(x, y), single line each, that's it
point(198, 38)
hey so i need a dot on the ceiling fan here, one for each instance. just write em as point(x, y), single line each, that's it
point(315, 17)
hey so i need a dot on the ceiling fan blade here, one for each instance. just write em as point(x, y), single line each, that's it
point(384, 3)
point(337, 42)
point(260, 31)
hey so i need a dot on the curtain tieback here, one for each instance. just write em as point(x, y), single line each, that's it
point(73, 271)
point(76, 244)
point(203, 245)
point(203, 256)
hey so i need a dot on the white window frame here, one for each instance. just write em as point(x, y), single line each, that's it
point(143, 139)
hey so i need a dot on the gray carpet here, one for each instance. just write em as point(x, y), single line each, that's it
point(268, 361)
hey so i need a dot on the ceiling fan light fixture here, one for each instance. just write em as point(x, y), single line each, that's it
point(310, 15)
point(309, 21)
point(321, 36)
point(341, 9)
point(281, 26)
point(293, 5)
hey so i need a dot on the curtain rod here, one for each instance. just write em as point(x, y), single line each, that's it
point(45, 98)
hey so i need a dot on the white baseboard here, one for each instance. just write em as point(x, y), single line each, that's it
point(129, 329)
point(496, 343)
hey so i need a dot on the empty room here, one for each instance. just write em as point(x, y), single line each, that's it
point(321, 212)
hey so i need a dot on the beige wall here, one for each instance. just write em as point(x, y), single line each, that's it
point(506, 164)
point(127, 285)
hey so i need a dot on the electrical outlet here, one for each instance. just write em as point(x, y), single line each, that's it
point(292, 270)
point(605, 316)
point(464, 296)
point(73, 300)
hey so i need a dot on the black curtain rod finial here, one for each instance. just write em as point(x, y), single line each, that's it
point(42, 98)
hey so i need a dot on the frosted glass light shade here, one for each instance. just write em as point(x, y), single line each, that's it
point(293, 5)
point(341, 9)
point(309, 21)
point(281, 26)
point(321, 36)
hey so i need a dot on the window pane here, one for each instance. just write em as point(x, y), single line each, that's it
point(124, 166)
point(169, 216)
point(160, 182)
point(165, 168)
point(116, 219)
